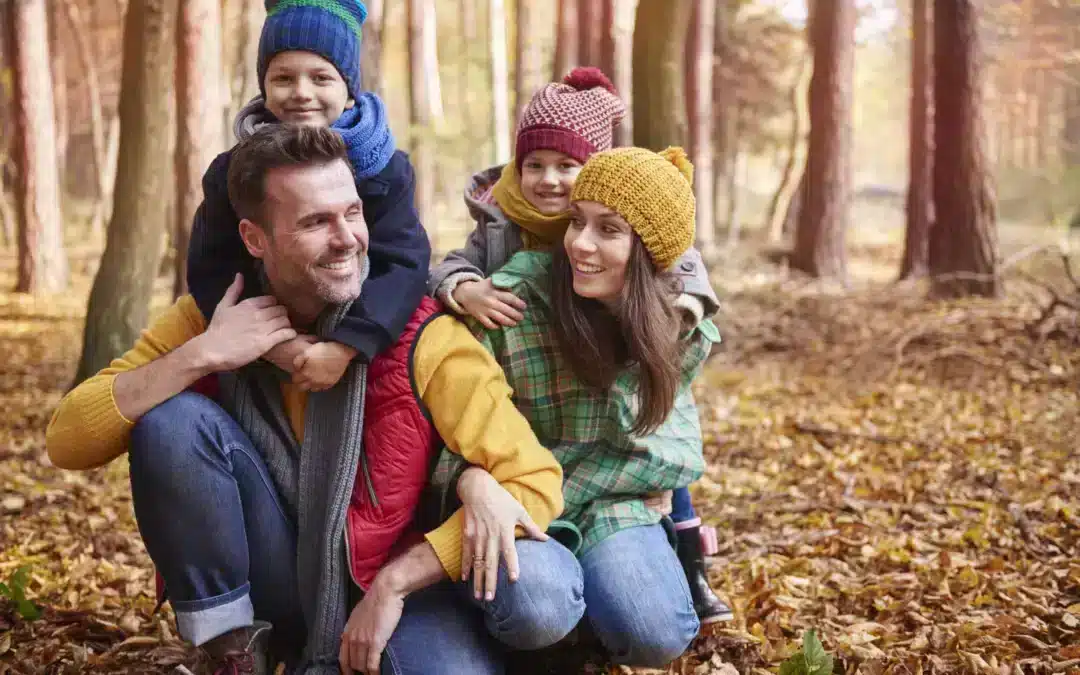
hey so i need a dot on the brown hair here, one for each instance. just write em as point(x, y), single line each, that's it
point(644, 332)
point(272, 147)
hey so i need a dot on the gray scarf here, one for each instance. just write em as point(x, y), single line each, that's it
point(313, 479)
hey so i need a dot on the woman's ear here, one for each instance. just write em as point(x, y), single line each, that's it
point(255, 238)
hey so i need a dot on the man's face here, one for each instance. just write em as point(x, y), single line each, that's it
point(314, 236)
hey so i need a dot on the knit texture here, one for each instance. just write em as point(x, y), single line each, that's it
point(575, 117)
point(537, 229)
point(364, 128)
point(329, 28)
point(652, 191)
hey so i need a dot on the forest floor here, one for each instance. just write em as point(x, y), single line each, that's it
point(900, 475)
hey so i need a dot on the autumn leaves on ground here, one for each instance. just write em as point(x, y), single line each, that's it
point(901, 476)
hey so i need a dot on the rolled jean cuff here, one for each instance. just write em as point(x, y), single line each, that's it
point(200, 621)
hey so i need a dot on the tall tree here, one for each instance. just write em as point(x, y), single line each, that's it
point(916, 259)
point(567, 38)
point(963, 241)
point(823, 218)
point(500, 81)
point(200, 132)
point(120, 298)
point(596, 46)
point(527, 77)
point(659, 96)
point(371, 58)
point(621, 74)
point(700, 54)
point(58, 48)
point(423, 152)
point(42, 262)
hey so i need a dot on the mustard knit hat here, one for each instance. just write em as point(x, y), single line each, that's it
point(652, 191)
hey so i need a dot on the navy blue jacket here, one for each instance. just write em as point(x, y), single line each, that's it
point(399, 251)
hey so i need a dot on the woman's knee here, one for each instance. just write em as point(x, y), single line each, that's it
point(660, 640)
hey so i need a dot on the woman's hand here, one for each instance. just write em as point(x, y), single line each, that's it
point(659, 501)
point(491, 517)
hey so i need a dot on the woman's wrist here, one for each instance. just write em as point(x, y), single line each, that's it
point(468, 480)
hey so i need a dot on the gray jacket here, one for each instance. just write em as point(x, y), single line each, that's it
point(496, 238)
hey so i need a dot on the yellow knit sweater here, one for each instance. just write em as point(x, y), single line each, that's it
point(459, 382)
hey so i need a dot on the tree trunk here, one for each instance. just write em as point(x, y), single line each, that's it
point(796, 156)
point(78, 27)
point(567, 39)
point(500, 82)
point(1071, 131)
point(916, 259)
point(596, 46)
point(58, 47)
point(736, 171)
point(527, 77)
point(423, 154)
point(42, 262)
point(242, 76)
point(700, 54)
point(120, 298)
point(371, 46)
point(963, 241)
point(819, 236)
point(660, 33)
point(622, 75)
point(200, 135)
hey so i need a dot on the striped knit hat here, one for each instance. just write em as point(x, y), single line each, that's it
point(329, 28)
point(652, 191)
point(575, 117)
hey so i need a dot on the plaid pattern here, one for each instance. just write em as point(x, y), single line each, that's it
point(606, 469)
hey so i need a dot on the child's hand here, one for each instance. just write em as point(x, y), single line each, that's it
point(488, 304)
point(321, 365)
point(284, 355)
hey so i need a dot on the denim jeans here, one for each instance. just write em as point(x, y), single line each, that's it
point(215, 528)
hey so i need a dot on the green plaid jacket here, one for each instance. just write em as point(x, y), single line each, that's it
point(607, 470)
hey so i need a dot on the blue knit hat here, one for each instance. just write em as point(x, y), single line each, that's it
point(329, 28)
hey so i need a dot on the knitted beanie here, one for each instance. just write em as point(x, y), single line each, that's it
point(652, 191)
point(575, 117)
point(329, 28)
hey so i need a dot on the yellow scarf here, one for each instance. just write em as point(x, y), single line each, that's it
point(538, 230)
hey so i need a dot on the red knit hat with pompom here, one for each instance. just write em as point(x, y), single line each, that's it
point(575, 117)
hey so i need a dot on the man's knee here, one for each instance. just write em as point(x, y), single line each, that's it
point(164, 438)
point(546, 601)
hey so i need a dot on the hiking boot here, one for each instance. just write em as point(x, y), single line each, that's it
point(244, 651)
point(709, 608)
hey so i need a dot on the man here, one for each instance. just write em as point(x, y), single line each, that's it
point(260, 507)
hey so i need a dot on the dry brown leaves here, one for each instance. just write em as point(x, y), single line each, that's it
point(900, 475)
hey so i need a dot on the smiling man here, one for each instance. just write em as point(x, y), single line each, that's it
point(268, 509)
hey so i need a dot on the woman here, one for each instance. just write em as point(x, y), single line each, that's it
point(601, 366)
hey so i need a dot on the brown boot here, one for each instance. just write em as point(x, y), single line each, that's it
point(244, 651)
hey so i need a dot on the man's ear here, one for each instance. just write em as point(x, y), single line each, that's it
point(255, 238)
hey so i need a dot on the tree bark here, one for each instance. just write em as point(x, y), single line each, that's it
point(567, 39)
point(660, 32)
point(120, 298)
point(700, 54)
point(963, 241)
point(916, 260)
point(622, 75)
point(371, 58)
point(42, 262)
point(796, 156)
point(423, 154)
point(822, 227)
point(596, 46)
point(200, 134)
point(58, 47)
point(242, 76)
point(500, 82)
point(527, 77)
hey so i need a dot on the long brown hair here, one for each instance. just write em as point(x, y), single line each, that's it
point(644, 331)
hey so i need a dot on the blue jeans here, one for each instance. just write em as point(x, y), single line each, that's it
point(215, 528)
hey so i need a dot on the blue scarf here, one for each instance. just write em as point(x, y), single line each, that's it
point(364, 128)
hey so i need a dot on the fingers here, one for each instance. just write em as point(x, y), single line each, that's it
point(232, 293)
point(271, 313)
point(491, 565)
point(511, 299)
point(485, 321)
point(502, 319)
point(532, 530)
point(260, 302)
point(510, 305)
point(359, 655)
point(478, 562)
point(373, 656)
point(300, 361)
point(467, 546)
point(344, 664)
point(509, 552)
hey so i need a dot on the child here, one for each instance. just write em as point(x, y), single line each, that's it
point(309, 73)
point(525, 204)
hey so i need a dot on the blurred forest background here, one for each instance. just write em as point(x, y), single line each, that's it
point(887, 191)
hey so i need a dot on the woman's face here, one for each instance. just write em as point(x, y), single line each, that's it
point(547, 177)
point(598, 243)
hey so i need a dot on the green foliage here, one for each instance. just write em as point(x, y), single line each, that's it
point(15, 590)
point(810, 660)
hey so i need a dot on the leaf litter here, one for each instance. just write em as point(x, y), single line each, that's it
point(896, 475)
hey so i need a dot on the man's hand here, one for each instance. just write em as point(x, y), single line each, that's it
point(284, 355)
point(489, 305)
point(370, 626)
point(321, 365)
point(241, 332)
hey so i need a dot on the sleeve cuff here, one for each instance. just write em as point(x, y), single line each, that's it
point(446, 540)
